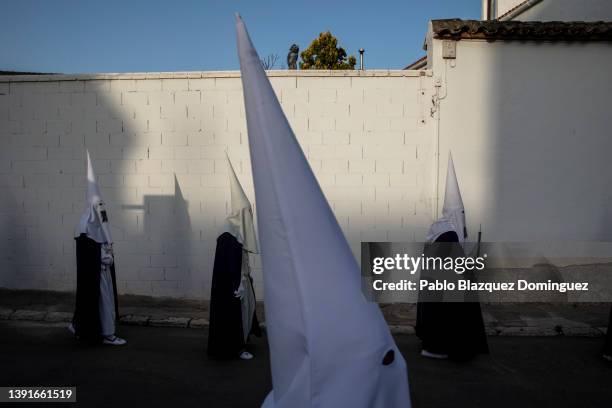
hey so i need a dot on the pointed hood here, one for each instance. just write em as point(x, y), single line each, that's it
point(94, 221)
point(93, 190)
point(240, 221)
point(453, 212)
point(324, 337)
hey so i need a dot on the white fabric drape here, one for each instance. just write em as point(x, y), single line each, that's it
point(106, 304)
point(247, 301)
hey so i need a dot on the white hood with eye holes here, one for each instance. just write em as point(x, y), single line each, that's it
point(94, 221)
point(240, 221)
point(329, 346)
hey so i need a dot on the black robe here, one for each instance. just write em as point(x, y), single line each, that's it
point(225, 333)
point(86, 320)
point(452, 328)
point(608, 344)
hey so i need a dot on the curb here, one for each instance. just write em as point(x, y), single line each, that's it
point(201, 323)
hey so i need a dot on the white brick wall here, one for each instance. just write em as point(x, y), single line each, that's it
point(158, 143)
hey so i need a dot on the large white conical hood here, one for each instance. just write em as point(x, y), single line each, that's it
point(94, 221)
point(240, 221)
point(327, 343)
point(93, 190)
point(453, 209)
point(453, 212)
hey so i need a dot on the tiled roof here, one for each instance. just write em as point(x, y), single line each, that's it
point(492, 30)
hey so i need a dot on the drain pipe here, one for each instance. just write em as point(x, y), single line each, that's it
point(486, 9)
point(518, 10)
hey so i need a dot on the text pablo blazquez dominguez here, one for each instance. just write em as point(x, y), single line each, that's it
point(410, 264)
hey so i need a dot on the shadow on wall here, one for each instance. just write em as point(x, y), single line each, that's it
point(551, 162)
point(154, 154)
point(31, 211)
point(157, 129)
point(14, 249)
point(534, 161)
point(167, 239)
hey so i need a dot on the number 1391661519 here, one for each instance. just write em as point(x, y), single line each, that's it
point(15, 394)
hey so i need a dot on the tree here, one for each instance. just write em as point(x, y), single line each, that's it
point(324, 53)
point(269, 61)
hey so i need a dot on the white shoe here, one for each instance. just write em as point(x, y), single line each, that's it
point(426, 353)
point(113, 341)
point(71, 329)
point(245, 355)
point(607, 357)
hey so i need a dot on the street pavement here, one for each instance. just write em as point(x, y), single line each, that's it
point(167, 367)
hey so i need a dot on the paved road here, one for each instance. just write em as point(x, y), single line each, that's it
point(164, 367)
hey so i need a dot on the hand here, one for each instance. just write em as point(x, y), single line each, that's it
point(239, 293)
point(107, 256)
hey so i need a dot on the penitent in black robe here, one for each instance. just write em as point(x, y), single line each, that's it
point(452, 328)
point(608, 344)
point(225, 334)
point(86, 320)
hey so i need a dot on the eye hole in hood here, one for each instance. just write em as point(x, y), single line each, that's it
point(388, 358)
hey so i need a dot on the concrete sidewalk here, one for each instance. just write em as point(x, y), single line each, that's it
point(510, 319)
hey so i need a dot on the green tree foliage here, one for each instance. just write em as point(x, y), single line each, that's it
point(324, 53)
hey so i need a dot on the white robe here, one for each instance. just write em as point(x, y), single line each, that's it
point(247, 298)
point(107, 294)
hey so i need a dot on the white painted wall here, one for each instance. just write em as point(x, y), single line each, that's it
point(501, 7)
point(529, 126)
point(560, 10)
point(158, 143)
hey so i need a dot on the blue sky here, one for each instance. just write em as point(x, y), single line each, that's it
point(73, 36)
